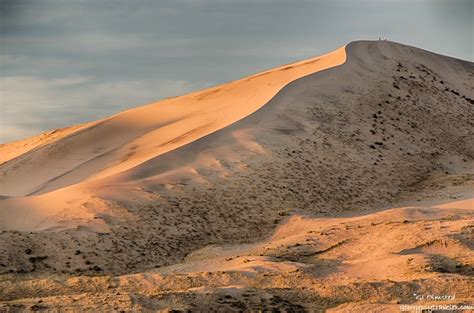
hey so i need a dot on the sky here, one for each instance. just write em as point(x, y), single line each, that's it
point(69, 62)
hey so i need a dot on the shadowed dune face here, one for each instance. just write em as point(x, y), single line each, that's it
point(366, 127)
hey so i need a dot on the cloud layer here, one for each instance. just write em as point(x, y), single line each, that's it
point(66, 62)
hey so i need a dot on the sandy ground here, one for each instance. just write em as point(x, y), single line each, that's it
point(374, 262)
point(342, 182)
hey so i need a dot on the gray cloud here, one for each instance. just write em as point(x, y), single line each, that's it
point(33, 104)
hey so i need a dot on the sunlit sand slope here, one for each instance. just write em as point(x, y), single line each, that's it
point(130, 138)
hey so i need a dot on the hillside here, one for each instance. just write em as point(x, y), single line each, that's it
point(292, 168)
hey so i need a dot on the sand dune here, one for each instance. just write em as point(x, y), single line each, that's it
point(130, 138)
point(236, 193)
point(126, 140)
point(54, 183)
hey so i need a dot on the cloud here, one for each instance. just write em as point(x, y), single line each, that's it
point(32, 104)
point(17, 61)
point(82, 42)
